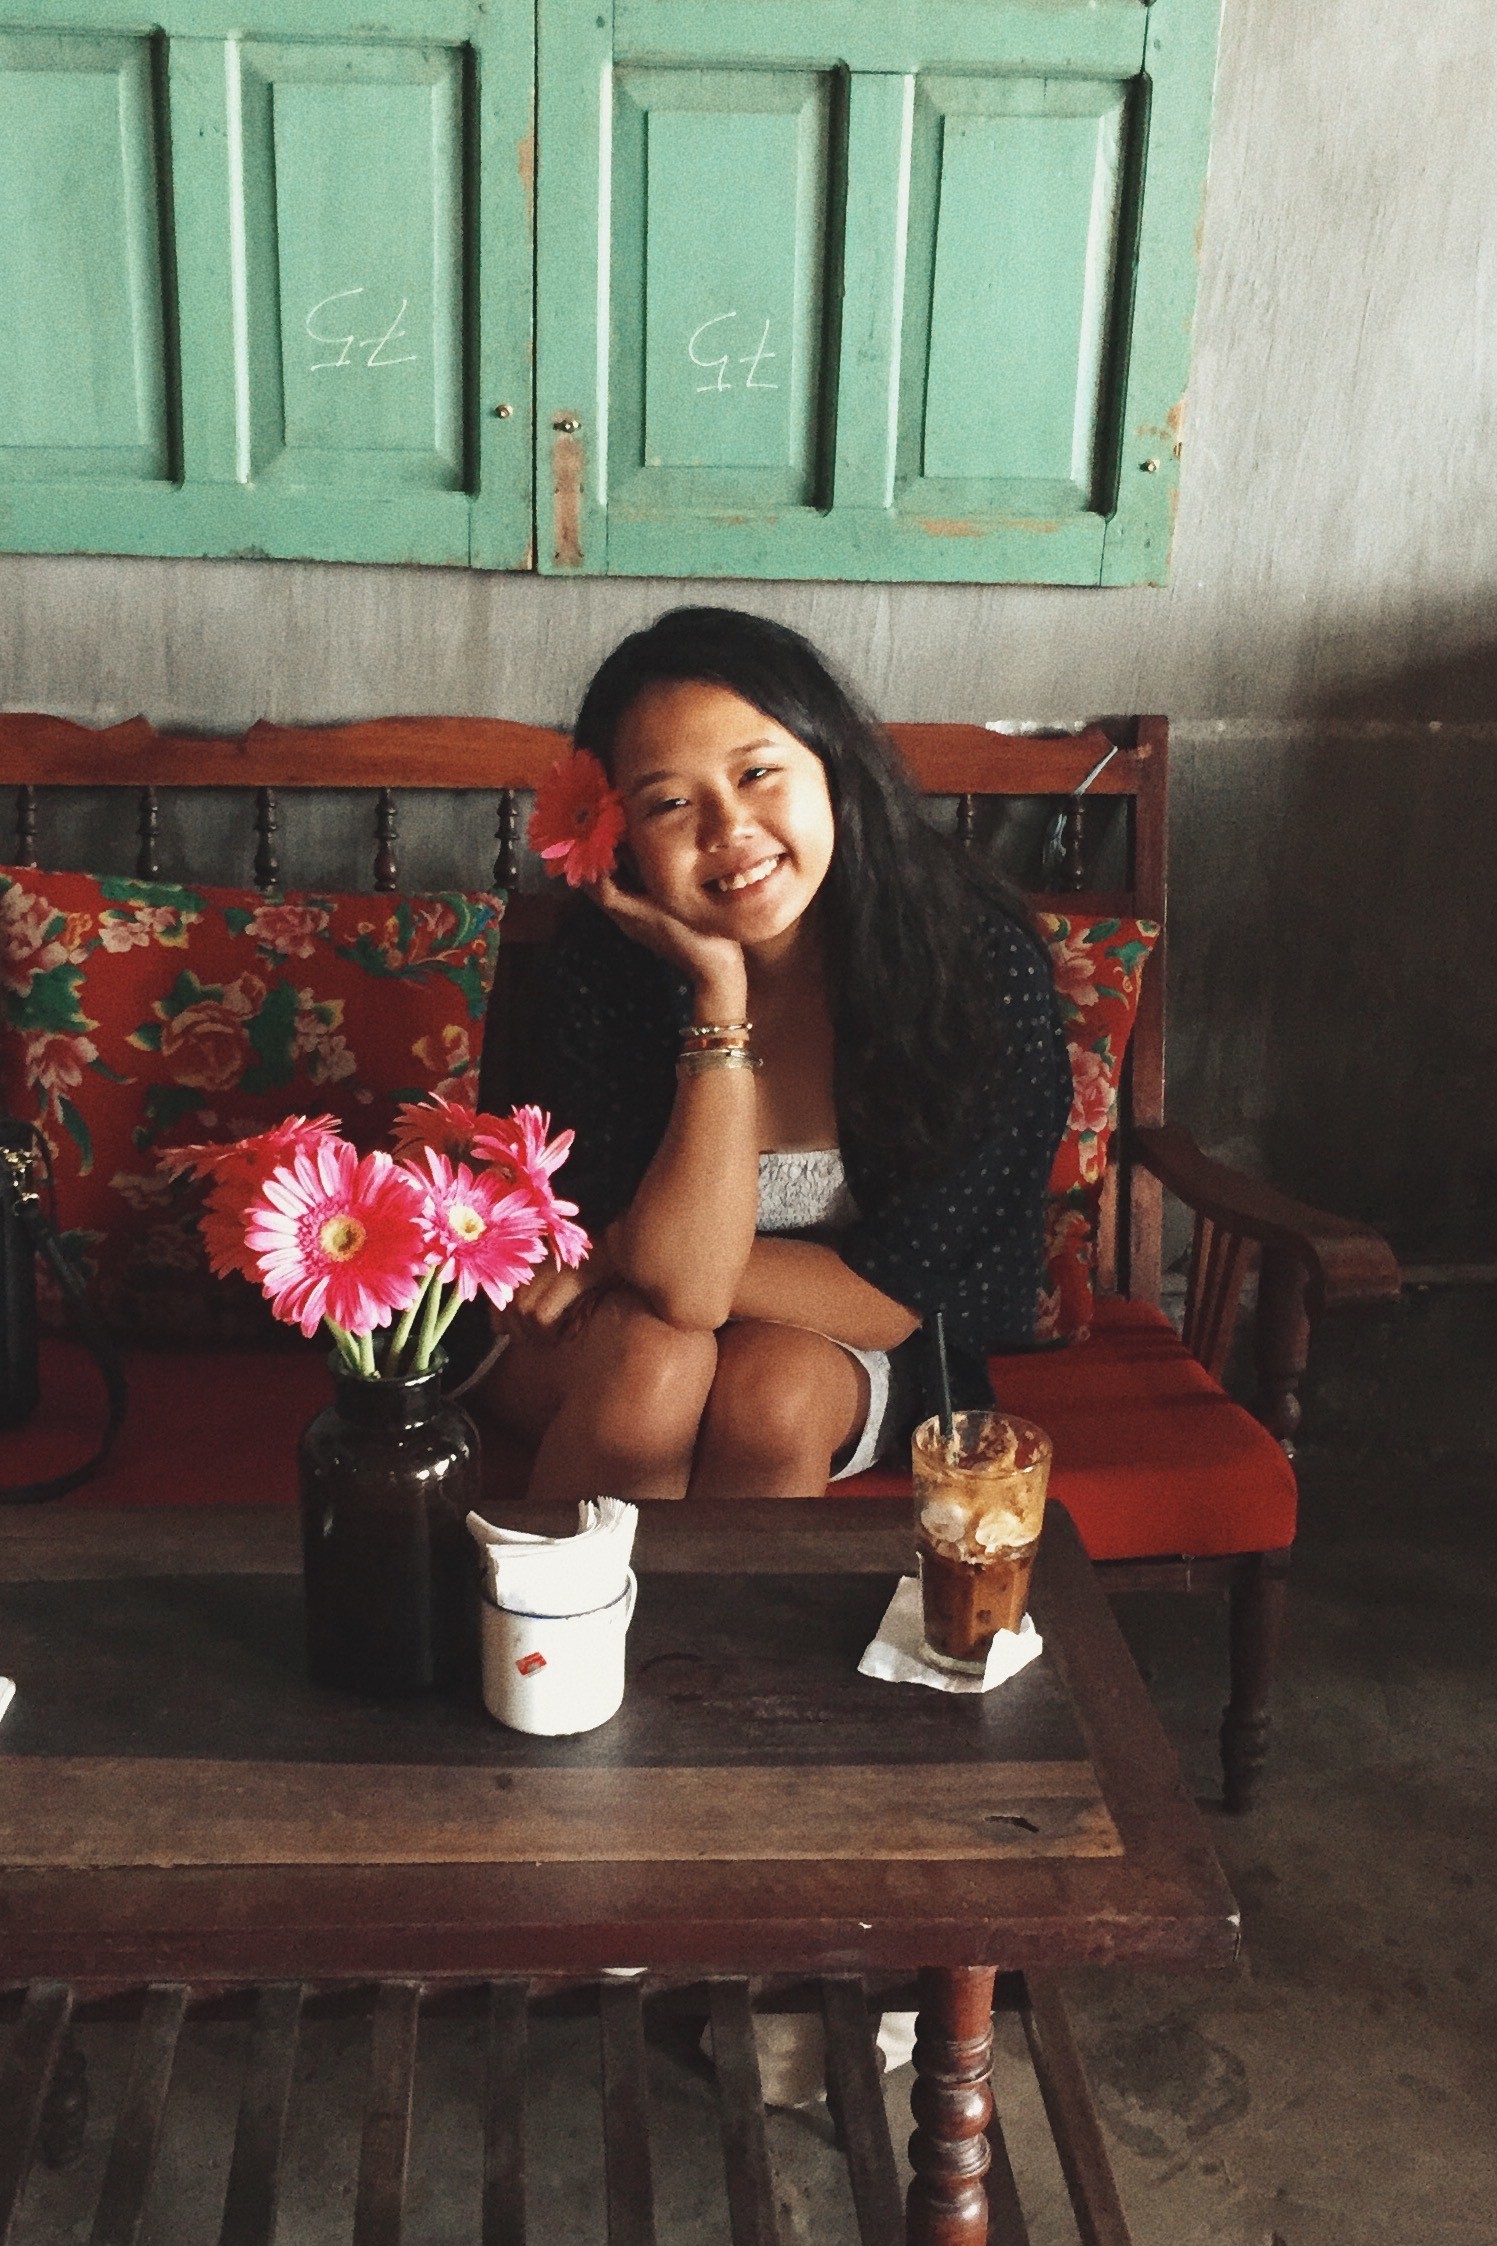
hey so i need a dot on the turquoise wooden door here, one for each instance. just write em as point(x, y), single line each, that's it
point(869, 290)
point(85, 393)
point(285, 281)
point(859, 288)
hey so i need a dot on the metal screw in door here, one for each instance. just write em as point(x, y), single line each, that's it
point(568, 423)
point(502, 413)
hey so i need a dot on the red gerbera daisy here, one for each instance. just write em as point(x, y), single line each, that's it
point(578, 820)
point(447, 1126)
point(519, 1151)
point(236, 1173)
point(338, 1238)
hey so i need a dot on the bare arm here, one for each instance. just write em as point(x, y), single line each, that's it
point(801, 1283)
point(685, 1238)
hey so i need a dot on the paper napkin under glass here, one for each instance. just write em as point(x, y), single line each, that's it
point(897, 1653)
point(560, 1574)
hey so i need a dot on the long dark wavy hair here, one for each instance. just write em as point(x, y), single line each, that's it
point(904, 911)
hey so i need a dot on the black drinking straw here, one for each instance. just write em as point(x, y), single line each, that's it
point(943, 1372)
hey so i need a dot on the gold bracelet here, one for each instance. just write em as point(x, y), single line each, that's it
point(716, 1056)
point(714, 1045)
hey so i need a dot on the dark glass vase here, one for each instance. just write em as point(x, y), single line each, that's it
point(389, 1472)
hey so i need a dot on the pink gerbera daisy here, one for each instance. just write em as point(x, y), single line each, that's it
point(520, 1151)
point(236, 1173)
point(338, 1238)
point(578, 820)
point(488, 1235)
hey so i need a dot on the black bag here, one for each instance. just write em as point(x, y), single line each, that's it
point(26, 1232)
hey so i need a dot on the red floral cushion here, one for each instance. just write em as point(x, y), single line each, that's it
point(147, 1014)
point(1099, 967)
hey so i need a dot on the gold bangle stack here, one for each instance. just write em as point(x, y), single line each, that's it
point(709, 1045)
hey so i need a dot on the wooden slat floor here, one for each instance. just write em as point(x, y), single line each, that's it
point(35, 2064)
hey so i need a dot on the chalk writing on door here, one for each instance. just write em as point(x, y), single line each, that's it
point(717, 359)
point(323, 323)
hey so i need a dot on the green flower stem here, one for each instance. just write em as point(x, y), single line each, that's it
point(453, 1307)
point(402, 1333)
point(366, 1356)
point(348, 1348)
point(427, 1339)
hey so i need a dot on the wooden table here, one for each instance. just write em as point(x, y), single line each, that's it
point(180, 1809)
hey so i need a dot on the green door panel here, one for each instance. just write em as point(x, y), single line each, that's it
point(500, 162)
point(880, 289)
point(719, 287)
point(1013, 280)
point(350, 206)
point(350, 241)
point(1029, 36)
point(874, 208)
point(87, 386)
point(959, 199)
point(1179, 61)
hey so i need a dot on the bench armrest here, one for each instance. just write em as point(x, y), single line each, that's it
point(1345, 1261)
point(1308, 1261)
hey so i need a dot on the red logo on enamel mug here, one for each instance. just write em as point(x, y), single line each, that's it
point(530, 1664)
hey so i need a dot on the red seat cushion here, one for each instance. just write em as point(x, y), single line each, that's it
point(204, 1427)
point(1152, 1458)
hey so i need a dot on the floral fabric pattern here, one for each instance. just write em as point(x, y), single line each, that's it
point(146, 1015)
point(1099, 967)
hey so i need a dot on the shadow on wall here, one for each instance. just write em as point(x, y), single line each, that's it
point(1333, 992)
point(1384, 981)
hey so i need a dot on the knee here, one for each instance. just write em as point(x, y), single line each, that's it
point(653, 1380)
point(765, 1408)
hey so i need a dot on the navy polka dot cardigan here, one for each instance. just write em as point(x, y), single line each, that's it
point(604, 1019)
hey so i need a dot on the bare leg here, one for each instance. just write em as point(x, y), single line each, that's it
point(614, 1405)
point(782, 1405)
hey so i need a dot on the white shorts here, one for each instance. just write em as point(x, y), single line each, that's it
point(881, 1428)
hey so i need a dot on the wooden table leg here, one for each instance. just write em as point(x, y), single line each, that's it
point(952, 2105)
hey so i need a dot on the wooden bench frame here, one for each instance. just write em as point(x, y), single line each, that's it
point(1307, 1261)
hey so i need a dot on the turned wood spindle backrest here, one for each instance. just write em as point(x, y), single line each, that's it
point(498, 759)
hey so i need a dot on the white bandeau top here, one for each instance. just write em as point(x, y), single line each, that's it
point(804, 1189)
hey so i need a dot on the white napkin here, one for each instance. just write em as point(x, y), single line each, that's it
point(560, 1574)
point(896, 1655)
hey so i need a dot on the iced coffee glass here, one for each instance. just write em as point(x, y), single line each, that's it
point(979, 1506)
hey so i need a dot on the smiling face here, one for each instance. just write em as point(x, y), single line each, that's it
point(730, 821)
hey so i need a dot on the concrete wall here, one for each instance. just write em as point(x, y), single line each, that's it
point(1327, 647)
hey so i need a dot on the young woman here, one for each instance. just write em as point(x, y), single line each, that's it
point(771, 1239)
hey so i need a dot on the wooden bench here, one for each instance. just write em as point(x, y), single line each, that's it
point(1171, 1483)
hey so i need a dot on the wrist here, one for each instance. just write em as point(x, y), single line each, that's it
point(721, 996)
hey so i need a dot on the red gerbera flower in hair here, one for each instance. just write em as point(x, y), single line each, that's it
point(578, 820)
